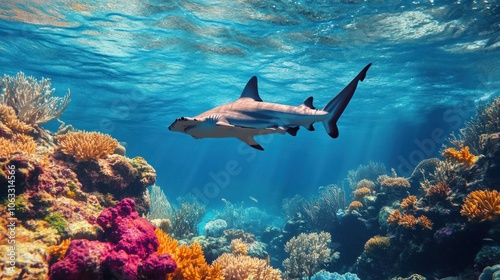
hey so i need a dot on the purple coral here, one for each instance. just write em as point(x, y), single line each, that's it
point(128, 250)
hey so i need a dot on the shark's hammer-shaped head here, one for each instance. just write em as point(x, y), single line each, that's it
point(182, 124)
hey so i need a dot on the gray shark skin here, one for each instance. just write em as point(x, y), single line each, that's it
point(250, 116)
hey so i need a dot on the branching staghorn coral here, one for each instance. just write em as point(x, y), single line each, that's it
point(85, 146)
point(19, 143)
point(322, 211)
point(482, 205)
point(160, 207)
point(32, 100)
point(308, 253)
point(10, 124)
point(486, 121)
point(241, 267)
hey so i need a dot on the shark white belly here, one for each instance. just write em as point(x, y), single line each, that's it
point(250, 116)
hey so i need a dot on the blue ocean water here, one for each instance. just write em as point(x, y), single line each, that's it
point(133, 67)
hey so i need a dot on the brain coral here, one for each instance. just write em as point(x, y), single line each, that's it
point(85, 146)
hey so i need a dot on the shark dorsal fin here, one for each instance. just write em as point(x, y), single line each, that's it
point(308, 103)
point(251, 90)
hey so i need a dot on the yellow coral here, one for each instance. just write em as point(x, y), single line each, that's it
point(409, 203)
point(395, 182)
point(462, 156)
point(19, 143)
point(85, 146)
point(191, 264)
point(239, 267)
point(57, 252)
point(9, 118)
point(361, 192)
point(424, 222)
point(355, 205)
point(377, 243)
point(482, 205)
point(238, 247)
point(365, 184)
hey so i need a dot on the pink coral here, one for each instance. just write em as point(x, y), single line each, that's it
point(127, 250)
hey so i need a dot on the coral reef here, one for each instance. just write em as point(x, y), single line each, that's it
point(33, 101)
point(355, 205)
point(215, 228)
point(10, 124)
point(370, 172)
point(308, 253)
point(325, 275)
point(127, 250)
point(160, 207)
point(85, 146)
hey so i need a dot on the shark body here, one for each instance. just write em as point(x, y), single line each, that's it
point(250, 116)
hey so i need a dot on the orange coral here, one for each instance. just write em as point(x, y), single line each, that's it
point(394, 217)
point(408, 221)
point(441, 189)
point(238, 247)
point(361, 192)
point(409, 203)
point(355, 205)
point(85, 146)
point(424, 222)
point(377, 243)
point(191, 264)
point(57, 252)
point(11, 124)
point(482, 205)
point(19, 143)
point(463, 156)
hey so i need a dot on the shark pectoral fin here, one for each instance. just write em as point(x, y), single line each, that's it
point(293, 130)
point(251, 142)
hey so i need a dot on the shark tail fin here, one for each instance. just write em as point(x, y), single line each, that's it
point(337, 105)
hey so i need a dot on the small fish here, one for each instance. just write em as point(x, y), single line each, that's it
point(253, 199)
point(224, 200)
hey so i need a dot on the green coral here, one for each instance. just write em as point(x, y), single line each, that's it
point(56, 221)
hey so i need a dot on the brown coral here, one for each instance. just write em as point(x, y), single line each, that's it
point(19, 143)
point(85, 146)
point(377, 243)
point(10, 124)
point(409, 202)
point(395, 182)
point(191, 264)
point(482, 205)
point(355, 205)
point(441, 189)
point(239, 267)
point(360, 193)
point(462, 156)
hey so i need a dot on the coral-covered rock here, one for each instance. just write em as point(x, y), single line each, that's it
point(119, 176)
point(128, 249)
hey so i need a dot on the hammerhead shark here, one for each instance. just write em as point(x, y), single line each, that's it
point(250, 116)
